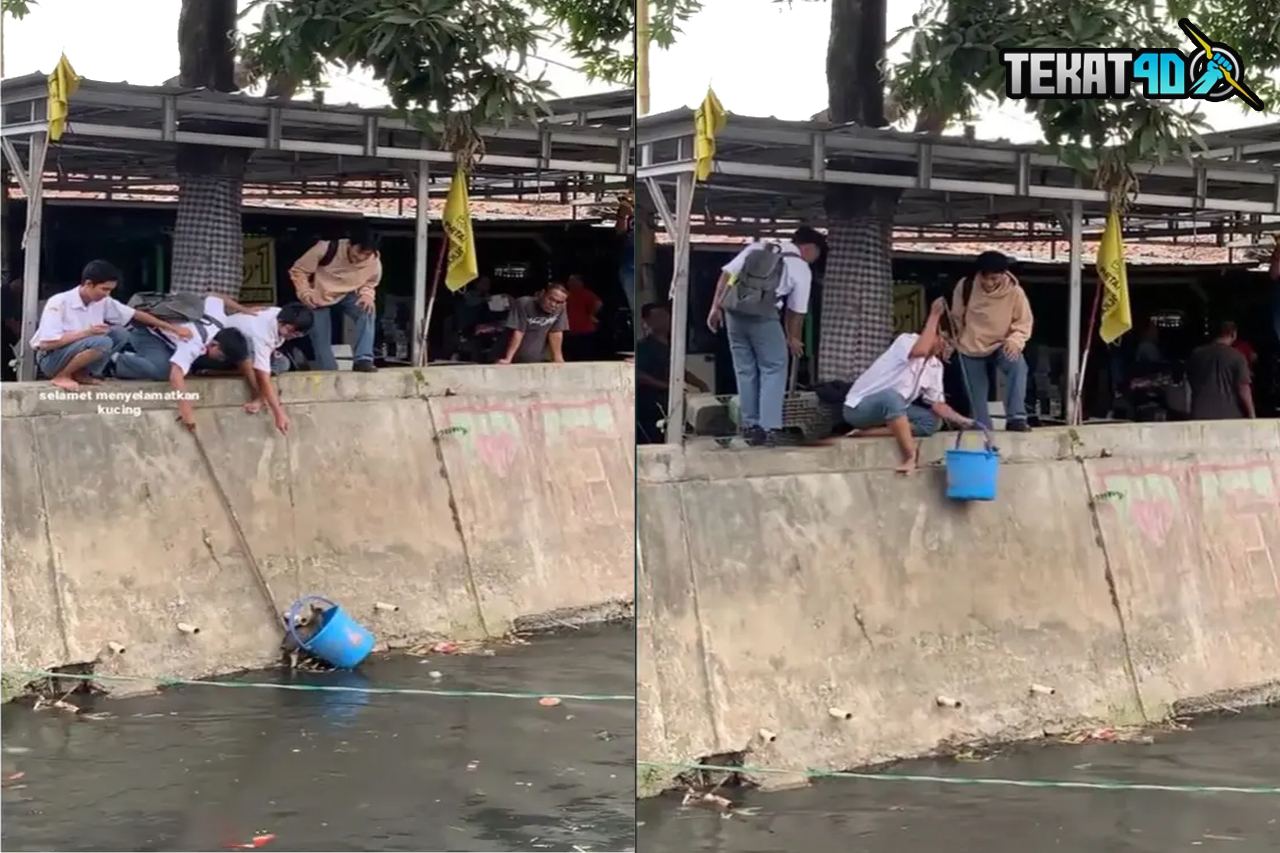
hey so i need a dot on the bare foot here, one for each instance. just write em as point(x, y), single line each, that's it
point(66, 383)
point(87, 379)
point(909, 467)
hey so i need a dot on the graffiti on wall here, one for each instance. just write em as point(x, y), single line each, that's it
point(1224, 512)
point(572, 438)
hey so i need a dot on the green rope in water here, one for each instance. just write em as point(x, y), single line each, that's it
point(1101, 785)
point(166, 681)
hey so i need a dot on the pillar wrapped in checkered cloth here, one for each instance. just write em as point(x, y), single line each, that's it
point(208, 241)
point(857, 297)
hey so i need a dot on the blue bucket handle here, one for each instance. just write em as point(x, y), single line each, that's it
point(988, 439)
point(291, 618)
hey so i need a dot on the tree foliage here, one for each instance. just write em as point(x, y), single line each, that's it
point(952, 67)
point(17, 9)
point(437, 57)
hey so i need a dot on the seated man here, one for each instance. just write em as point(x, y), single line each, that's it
point(266, 331)
point(160, 354)
point(81, 328)
point(885, 400)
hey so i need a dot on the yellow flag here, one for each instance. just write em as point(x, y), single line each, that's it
point(63, 83)
point(1116, 317)
point(709, 120)
point(462, 241)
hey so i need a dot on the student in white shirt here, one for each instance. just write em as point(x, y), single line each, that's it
point(749, 301)
point(900, 394)
point(159, 355)
point(267, 330)
point(80, 328)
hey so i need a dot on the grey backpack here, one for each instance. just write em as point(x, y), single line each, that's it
point(754, 292)
point(175, 308)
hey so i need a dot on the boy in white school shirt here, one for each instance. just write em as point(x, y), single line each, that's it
point(901, 394)
point(81, 328)
point(158, 355)
point(267, 330)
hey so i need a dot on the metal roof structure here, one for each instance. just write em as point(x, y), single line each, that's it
point(769, 174)
point(773, 171)
point(121, 138)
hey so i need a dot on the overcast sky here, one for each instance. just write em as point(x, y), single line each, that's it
point(789, 80)
point(136, 41)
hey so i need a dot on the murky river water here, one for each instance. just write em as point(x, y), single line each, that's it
point(206, 768)
point(842, 816)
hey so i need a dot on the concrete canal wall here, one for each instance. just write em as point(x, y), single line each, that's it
point(1127, 567)
point(470, 497)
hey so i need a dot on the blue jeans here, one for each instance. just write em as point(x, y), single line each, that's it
point(149, 358)
point(876, 410)
point(322, 332)
point(1015, 374)
point(759, 349)
point(51, 362)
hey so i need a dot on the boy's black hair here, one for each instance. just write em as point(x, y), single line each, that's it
point(297, 315)
point(992, 262)
point(365, 239)
point(96, 272)
point(811, 236)
point(234, 345)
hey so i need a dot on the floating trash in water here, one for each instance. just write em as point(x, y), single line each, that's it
point(548, 701)
point(435, 673)
point(472, 765)
point(260, 840)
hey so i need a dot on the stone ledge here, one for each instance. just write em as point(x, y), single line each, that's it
point(35, 399)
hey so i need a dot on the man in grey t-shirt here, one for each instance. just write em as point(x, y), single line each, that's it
point(536, 323)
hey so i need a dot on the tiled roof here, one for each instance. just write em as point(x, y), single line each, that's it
point(546, 210)
point(1049, 251)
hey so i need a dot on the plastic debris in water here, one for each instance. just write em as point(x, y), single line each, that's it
point(257, 841)
point(548, 701)
point(445, 648)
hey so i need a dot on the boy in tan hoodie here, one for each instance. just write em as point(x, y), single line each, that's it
point(342, 274)
point(991, 321)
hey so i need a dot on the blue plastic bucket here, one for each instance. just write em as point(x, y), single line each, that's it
point(340, 640)
point(972, 474)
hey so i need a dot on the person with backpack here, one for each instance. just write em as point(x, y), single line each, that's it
point(767, 282)
point(344, 275)
point(161, 354)
point(81, 328)
point(991, 322)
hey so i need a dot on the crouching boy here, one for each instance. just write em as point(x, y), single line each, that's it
point(81, 328)
point(901, 395)
point(158, 354)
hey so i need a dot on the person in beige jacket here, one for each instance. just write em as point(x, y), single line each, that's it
point(343, 275)
point(991, 324)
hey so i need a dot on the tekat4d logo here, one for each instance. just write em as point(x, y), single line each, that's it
point(1213, 72)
